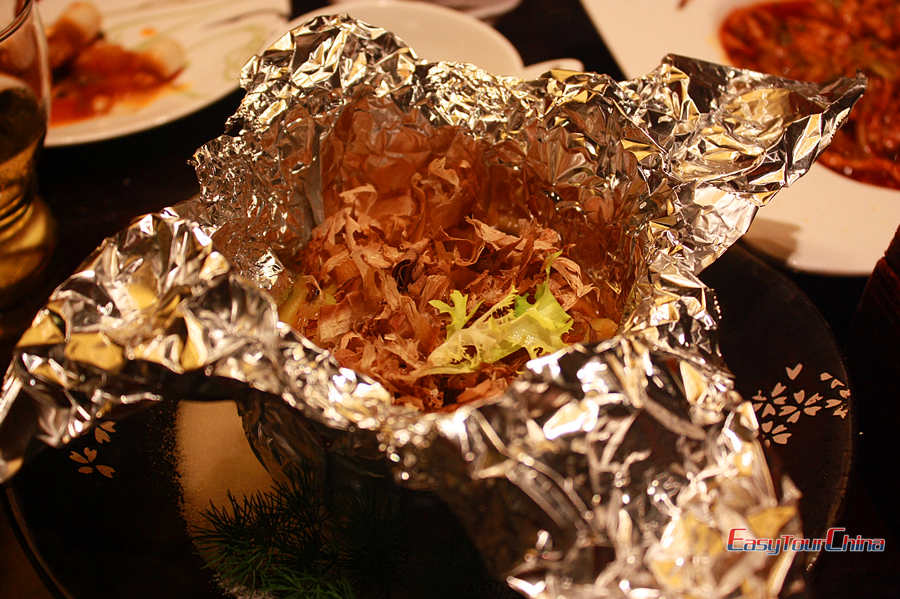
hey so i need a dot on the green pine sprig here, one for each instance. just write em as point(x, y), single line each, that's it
point(298, 540)
point(275, 542)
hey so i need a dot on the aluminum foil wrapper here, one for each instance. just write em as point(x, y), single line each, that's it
point(609, 471)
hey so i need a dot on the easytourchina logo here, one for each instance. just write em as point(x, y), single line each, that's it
point(836, 539)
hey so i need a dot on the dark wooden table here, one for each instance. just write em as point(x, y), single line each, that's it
point(96, 189)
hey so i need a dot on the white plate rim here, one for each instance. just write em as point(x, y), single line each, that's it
point(432, 10)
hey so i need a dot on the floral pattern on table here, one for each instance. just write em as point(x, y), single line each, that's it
point(798, 397)
point(86, 459)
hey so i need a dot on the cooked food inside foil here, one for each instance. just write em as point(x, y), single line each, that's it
point(423, 278)
point(821, 40)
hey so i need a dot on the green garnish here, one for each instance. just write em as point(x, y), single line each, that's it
point(457, 312)
point(511, 324)
point(318, 537)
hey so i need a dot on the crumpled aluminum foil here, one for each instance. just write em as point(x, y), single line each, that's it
point(608, 471)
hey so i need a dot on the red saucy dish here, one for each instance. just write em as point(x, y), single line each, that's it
point(103, 75)
point(92, 75)
point(821, 40)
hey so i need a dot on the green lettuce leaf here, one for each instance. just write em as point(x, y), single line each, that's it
point(458, 315)
point(512, 324)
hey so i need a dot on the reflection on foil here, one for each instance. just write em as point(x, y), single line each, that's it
point(607, 471)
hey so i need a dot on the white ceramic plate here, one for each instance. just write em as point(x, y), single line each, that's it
point(434, 32)
point(486, 10)
point(218, 37)
point(825, 223)
point(459, 38)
